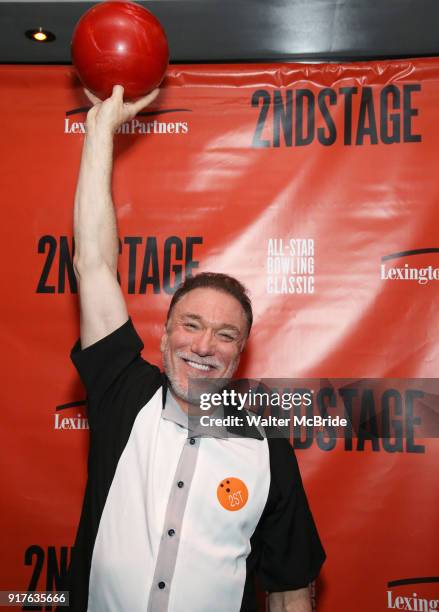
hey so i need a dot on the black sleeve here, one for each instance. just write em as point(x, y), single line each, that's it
point(110, 364)
point(291, 551)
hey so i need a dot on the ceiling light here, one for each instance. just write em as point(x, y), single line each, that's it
point(40, 35)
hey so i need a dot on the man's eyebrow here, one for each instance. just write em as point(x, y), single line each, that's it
point(191, 315)
point(196, 317)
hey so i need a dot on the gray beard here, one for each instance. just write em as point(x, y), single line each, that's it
point(176, 388)
point(191, 395)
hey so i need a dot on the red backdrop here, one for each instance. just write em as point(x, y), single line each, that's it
point(317, 186)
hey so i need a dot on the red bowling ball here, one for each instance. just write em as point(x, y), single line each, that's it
point(120, 43)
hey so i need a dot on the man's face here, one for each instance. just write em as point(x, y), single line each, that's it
point(204, 337)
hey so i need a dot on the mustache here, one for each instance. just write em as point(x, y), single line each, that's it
point(209, 361)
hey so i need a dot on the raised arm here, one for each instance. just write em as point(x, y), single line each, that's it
point(102, 304)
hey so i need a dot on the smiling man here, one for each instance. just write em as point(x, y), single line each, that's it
point(173, 520)
point(208, 323)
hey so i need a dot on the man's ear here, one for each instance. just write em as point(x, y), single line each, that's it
point(164, 339)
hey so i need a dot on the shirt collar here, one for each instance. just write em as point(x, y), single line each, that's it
point(171, 411)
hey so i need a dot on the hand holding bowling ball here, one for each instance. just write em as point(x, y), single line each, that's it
point(119, 43)
point(107, 115)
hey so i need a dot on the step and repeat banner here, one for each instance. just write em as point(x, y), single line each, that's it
point(318, 187)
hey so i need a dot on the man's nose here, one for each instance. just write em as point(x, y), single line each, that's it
point(203, 343)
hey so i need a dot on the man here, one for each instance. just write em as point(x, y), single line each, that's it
point(172, 521)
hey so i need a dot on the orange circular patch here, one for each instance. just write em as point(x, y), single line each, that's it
point(232, 493)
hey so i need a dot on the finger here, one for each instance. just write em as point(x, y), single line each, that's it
point(117, 93)
point(93, 99)
point(145, 101)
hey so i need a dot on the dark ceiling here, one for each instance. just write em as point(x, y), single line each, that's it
point(275, 30)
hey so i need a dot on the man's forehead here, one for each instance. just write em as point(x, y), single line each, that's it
point(213, 306)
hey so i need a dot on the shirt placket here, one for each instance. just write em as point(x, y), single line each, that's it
point(170, 539)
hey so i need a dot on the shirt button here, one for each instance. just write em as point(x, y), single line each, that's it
point(171, 532)
point(192, 441)
point(161, 585)
point(180, 484)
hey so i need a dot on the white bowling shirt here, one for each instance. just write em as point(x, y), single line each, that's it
point(173, 520)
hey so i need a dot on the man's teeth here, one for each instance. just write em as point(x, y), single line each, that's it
point(198, 366)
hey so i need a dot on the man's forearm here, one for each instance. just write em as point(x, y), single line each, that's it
point(95, 225)
point(290, 601)
point(102, 304)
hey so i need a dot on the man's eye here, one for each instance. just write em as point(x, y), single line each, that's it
point(226, 337)
point(190, 325)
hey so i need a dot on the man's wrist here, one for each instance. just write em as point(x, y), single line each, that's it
point(98, 145)
point(99, 135)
